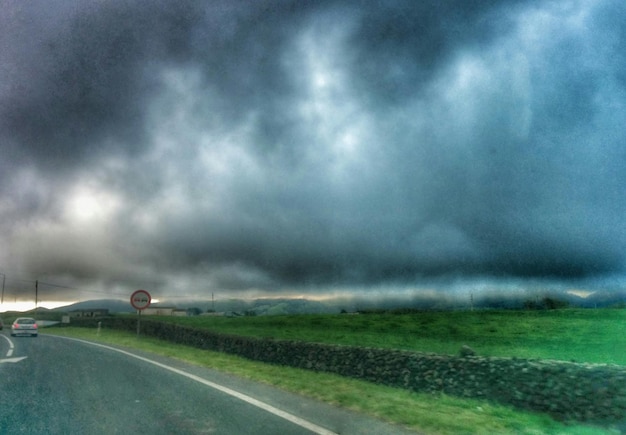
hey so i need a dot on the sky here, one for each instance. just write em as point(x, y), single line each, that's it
point(309, 147)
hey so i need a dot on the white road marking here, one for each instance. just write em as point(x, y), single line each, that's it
point(252, 401)
point(11, 347)
point(12, 360)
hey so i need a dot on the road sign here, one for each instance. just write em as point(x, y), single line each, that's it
point(140, 299)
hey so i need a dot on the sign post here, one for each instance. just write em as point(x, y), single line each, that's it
point(140, 300)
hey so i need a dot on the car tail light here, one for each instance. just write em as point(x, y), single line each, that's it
point(15, 325)
point(35, 325)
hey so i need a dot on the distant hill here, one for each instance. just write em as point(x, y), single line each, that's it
point(258, 307)
point(274, 306)
point(251, 307)
point(601, 299)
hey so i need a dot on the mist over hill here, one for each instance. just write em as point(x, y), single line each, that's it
point(356, 303)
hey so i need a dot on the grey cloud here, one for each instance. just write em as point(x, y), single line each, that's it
point(81, 92)
point(400, 45)
point(263, 145)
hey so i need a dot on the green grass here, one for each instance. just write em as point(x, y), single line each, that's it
point(583, 335)
point(421, 412)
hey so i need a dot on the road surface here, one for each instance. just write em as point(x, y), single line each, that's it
point(55, 385)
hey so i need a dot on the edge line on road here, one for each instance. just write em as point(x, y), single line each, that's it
point(248, 399)
point(11, 346)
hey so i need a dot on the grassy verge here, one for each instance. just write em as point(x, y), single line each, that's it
point(420, 412)
point(583, 335)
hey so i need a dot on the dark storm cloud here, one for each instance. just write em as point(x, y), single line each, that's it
point(81, 87)
point(269, 145)
point(400, 44)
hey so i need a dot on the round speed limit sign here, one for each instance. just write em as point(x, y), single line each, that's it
point(140, 299)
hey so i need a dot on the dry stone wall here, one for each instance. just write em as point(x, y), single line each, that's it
point(565, 390)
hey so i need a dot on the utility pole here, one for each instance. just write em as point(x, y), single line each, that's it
point(36, 293)
point(4, 277)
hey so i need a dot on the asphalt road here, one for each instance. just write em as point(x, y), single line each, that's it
point(54, 385)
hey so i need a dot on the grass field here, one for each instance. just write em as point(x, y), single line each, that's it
point(583, 335)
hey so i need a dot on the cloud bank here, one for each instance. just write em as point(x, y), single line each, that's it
point(307, 145)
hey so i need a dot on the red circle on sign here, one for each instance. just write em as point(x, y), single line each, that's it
point(140, 299)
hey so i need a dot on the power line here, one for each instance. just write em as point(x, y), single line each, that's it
point(56, 285)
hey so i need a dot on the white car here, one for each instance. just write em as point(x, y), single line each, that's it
point(24, 326)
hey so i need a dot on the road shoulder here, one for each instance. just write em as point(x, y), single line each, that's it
point(336, 419)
